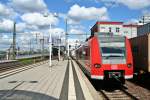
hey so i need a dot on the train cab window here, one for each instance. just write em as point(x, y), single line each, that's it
point(113, 50)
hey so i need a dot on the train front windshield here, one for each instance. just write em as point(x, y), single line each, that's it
point(113, 50)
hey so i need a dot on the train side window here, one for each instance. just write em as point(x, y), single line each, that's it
point(80, 54)
point(86, 53)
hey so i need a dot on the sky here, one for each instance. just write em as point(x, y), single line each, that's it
point(33, 18)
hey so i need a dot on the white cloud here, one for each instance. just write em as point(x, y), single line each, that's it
point(20, 27)
point(6, 11)
point(132, 21)
point(135, 4)
point(32, 27)
point(24, 39)
point(29, 5)
point(39, 19)
point(73, 21)
point(79, 27)
point(5, 40)
point(56, 31)
point(146, 12)
point(78, 13)
point(76, 31)
point(111, 4)
point(6, 26)
point(132, 4)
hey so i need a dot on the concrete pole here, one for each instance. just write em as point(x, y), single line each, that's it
point(7, 55)
point(50, 39)
point(50, 46)
point(59, 47)
point(14, 41)
point(68, 48)
point(66, 42)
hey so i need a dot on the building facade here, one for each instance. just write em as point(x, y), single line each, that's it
point(117, 28)
point(130, 30)
point(144, 29)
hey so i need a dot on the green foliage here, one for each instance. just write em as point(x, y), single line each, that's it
point(26, 60)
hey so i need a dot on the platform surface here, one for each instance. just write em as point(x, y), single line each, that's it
point(39, 83)
point(63, 81)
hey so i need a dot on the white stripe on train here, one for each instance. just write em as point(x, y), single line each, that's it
point(102, 77)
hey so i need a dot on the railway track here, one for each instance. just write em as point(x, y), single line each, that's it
point(129, 91)
point(11, 71)
point(117, 91)
point(117, 94)
point(136, 90)
point(9, 66)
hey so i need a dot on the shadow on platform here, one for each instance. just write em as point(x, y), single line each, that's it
point(23, 95)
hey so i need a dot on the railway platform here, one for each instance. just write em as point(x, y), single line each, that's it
point(6, 61)
point(63, 81)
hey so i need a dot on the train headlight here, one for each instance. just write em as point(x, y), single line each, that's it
point(129, 65)
point(97, 65)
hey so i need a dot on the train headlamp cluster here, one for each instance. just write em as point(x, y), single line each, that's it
point(97, 65)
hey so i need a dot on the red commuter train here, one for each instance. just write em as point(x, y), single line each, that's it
point(105, 57)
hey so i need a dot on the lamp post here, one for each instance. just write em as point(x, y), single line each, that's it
point(68, 47)
point(50, 46)
point(14, 41)
point(59, 40)
point(50, 39)
point(66, 40)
